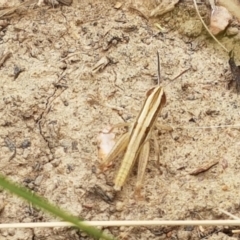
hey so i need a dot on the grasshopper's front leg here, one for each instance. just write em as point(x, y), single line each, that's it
point(160, 127)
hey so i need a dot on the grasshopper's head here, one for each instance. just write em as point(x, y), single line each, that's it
point(158, 93)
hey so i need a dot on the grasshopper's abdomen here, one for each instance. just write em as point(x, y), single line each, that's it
point(126, 166)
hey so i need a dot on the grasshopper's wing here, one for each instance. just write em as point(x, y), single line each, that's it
point(118, 148)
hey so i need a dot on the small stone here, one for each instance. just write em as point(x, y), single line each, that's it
point(27, 220)
point(4, 233)
point(191, 97)
point(184, 235)
point(59, 152)
point(72, 50)
point(62, 65)
point(56, 162)
point(2, 205)
point(31, 186)
point(225, 188)
point(26, 143)
point(83, 234)
point(26, 153)
point(119, 206)
point(232, 31)
point(3, 23)
point(48, 167)
point(11, 232)
point(118, 5)
point(220, 19)
point(38, 180)
point(237, 37)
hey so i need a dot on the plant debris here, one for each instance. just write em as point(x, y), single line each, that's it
point(4, 58)
point(204, 168)
point(164, 7)
point(106, 140)
point(235, 71)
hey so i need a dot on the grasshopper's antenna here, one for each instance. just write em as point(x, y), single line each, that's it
point(158, 58)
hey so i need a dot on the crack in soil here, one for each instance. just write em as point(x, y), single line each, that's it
point(59, 89)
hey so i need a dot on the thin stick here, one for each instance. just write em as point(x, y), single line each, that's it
point(4, 58)
point(221, 126)
point(128, 223)
point(229, 214)
point(232, 216)
point(180, 74)
point(195, 5)
point(158, 60)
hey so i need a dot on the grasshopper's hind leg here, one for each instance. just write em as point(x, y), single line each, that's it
point(142, 163)
point(156, 144)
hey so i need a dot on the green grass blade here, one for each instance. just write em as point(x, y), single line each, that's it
point(43, 204)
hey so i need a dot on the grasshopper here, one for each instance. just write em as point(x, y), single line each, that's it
point(136, 140)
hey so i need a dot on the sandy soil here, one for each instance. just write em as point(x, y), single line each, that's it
point(55, 99)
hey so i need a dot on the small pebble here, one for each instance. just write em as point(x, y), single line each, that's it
point(11, 232)
point(191, 97)
point(119, 206)
point(118, 5)
point(38, 180)
point(27, 220)
point(220, 19)
point(31, 186)
point(26, 143)
point(225, 188)
point(4, 233)
point(59, 153)
point(232, 31)
point(184, 235)
point(26, 153)
point(48, 167)
point(2, 205)
point(56, 162)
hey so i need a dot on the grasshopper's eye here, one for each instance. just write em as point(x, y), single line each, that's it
point(149, 91)
point(164, 99)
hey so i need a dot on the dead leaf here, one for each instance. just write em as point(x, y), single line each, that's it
point(66, 2)
point(204, 168)
point(164, 7)
point(235, 71)
point(101, 64)
point(106, 141)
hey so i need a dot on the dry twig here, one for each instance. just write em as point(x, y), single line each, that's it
point(4, 58)
point(204, 168)
point(128, 223)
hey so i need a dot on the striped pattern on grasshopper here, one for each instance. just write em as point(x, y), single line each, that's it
point(136, 141)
